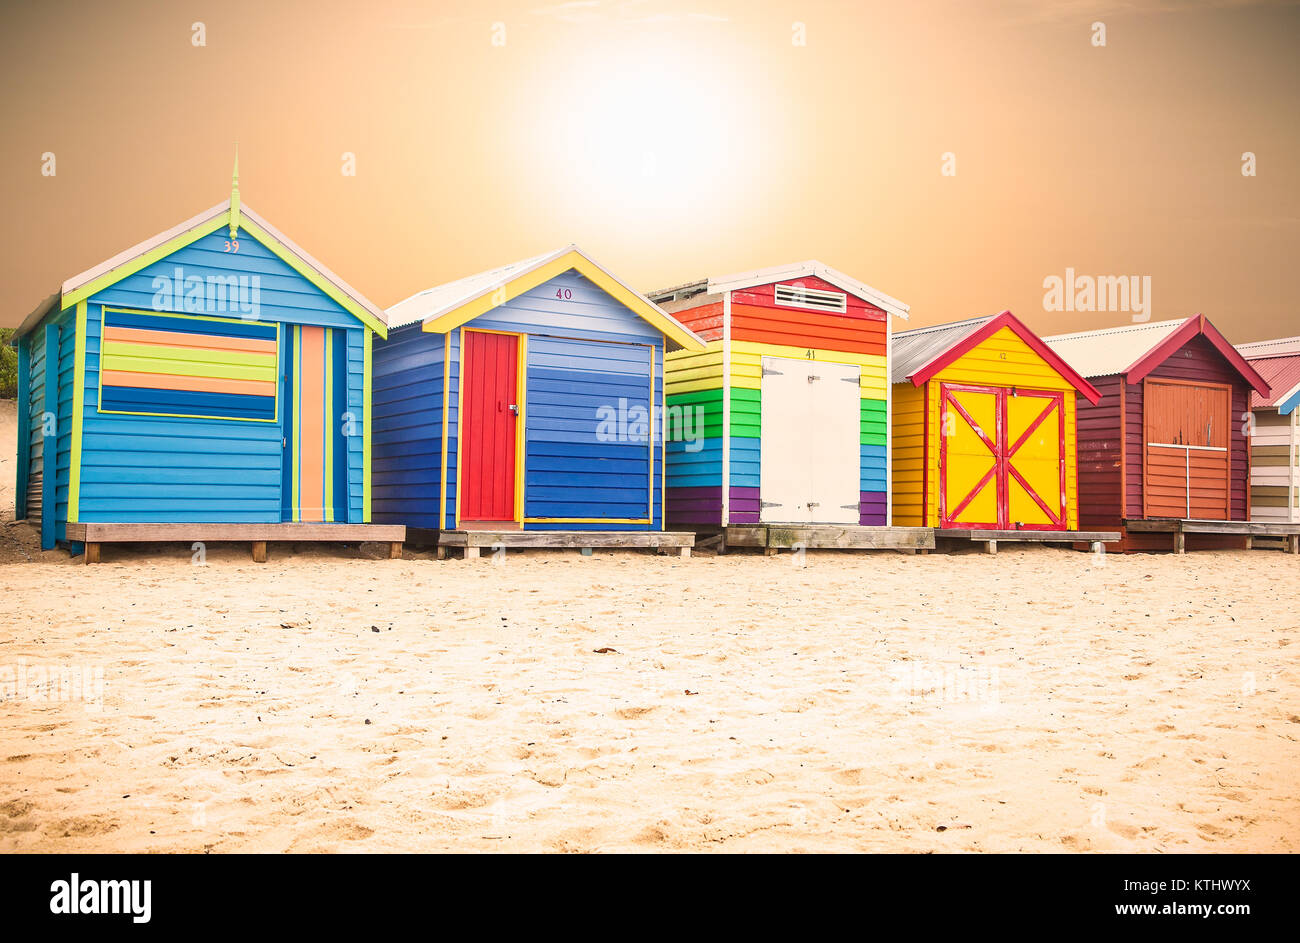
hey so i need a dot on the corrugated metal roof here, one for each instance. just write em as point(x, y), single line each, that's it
point(913, 349)
point(444, 297)
point(1279, 347)
point(1281, 373)
point(1110, 350)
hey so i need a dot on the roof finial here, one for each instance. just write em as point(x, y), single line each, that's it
point(234, 197)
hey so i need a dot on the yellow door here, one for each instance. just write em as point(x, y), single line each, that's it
point(969, 456)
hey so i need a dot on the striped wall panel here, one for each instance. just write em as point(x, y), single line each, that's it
point(181, 366)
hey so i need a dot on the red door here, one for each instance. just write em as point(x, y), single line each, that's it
point(490, 413)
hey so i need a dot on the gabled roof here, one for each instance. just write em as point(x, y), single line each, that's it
point(139, 256)
point(921, 353)
point(1278, 362)
point(446, 307)
point(1134, 350)
point(782, 273)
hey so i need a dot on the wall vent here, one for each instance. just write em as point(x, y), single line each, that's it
point(797, 296)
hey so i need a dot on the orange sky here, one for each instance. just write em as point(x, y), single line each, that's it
point(678, 140)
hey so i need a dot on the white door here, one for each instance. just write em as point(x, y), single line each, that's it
point(811, 412)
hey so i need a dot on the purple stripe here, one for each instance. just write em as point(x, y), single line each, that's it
point(744, 505)
point(871, 509)
point(701, 505)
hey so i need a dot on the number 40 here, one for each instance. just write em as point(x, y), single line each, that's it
point(564, 294)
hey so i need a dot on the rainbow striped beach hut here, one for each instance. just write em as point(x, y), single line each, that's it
point(783, 432)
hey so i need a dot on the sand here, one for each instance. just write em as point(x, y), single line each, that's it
point(1040, 700)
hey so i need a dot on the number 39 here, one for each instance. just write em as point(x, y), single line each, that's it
point(232, 245)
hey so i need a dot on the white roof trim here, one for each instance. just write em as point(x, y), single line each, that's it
point(194, 222)
point(812, 267)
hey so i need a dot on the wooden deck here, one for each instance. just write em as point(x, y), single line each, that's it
point(991, 538)
point(1289, 534)
point(474, 541)
point(774, 537)
point(95, 534)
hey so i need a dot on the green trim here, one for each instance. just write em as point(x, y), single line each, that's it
point(78, 415)
point(346, 301)
point(367, 341)
point(113, 276)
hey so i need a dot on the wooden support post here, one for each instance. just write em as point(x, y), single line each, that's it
point(923, 552)
point(686, 553)
point(395, 550)
point(259, 551)
point(1250, 542)
point(769, 551)
point(1180, 541)
point(440, 553)
point(1095, 546)
point(991, 546)
point(91, 554)
point(1294, 543)
point(471, 553)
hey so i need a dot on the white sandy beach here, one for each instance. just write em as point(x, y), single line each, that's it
point(1034, 701)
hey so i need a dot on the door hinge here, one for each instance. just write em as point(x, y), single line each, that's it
point(849, 507)
point(769, 372)
point(853, 380)
point(770, 504)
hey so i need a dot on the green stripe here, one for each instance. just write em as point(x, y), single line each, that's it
point(190, 354)
point(176, 368)
point(747, 419)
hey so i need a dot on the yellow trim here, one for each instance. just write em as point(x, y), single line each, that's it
point(78, 410)
point(460, 425)
point(367, 394)
point(115, 275)
point(650, 498)
point(521, 394)
point(446, 414)
point(329, 427)
point(663, 445)
point(297, 411)
point(493, 297)
point(99, 384)
point(586, 520)
point(346, 301)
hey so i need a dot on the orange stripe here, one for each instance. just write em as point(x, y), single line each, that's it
point(136, 335)
point(167, 381)
point(311, 426)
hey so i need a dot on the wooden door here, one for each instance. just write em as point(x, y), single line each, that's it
point(489, 421)
point(1001, 458)
point(810, 460)
point(1186, 450)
